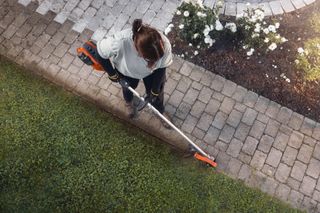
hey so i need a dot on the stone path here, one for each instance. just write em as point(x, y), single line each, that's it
point(270, 7)
point(253, 139)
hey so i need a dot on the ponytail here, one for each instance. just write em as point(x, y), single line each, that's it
point(136, 27)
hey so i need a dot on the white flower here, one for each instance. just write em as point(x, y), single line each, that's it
point(190, 44)
point(196, 35)
point(257, 28)
point(277, 25)
point(277, 36)
point(253, 19)
point(200, 14)
point(198, 46)
point(254, 35)
point(259, 14)
point(250, 52)
point(181, 26)
point(245, 47)
point(300, 50)
point(272, 46)
point(196, 52)
point(182, 55)
point(296, 61)
point(186, 13)
point(272, 28)
point(209, 41)
point(219, 4)
point(206, 30)
point(266, 40)
point(288, 80)
point(266, 31)
point(231, 26)
point(168, 29)
point(219, 26)
point(247, 27)
point(178, 12)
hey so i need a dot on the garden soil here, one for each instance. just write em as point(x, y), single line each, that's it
point(262, 73)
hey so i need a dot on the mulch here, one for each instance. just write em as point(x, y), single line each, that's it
point(262, 73)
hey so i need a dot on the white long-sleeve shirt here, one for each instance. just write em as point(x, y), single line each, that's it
point(120, 49)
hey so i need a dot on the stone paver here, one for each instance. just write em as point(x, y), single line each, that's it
point(257, 129)
point(281, 141)
point(295, 139)
point(258, 160)
point(313, 168)
point(289, 156)
point(298, 170)
point(287, 6)
point(307, 186)
point(265, 143)
point(274, 157)
point(250, 145)
point(305, 153)
point(254, 139)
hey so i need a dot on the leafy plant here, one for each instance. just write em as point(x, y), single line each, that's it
point(256, 32)
point(315, 22)
point(308, 59)
point(199, 25)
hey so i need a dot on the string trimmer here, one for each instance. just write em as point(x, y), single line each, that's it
point(88, 57)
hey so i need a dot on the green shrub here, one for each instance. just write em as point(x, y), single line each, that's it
point(308, 59)
point(256, 32)
point(315, 22)
point(199, 25)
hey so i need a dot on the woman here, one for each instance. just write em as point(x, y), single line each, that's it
point(138, 53)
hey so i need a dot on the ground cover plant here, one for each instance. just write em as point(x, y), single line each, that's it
point(61, 154)
point(277, 57)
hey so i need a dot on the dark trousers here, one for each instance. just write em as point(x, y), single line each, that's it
point(148, 83)
point(154, 81)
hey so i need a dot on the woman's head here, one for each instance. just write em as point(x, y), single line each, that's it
point(148, 42)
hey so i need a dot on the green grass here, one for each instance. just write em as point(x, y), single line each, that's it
point(61, 154)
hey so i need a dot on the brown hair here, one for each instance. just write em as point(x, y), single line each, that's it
point(148, 42)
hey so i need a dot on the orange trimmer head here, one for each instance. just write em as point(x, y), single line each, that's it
point(205, 159)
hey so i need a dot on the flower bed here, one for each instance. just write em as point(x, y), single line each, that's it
point(276, 57)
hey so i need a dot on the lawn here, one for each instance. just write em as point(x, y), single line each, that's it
point(61, 154)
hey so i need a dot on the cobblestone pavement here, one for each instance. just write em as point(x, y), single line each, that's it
point(266, 145)
point(270, 7)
